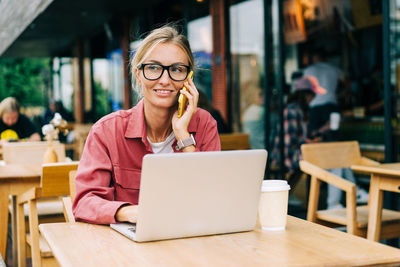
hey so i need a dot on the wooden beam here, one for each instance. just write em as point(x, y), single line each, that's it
point(125, 62)
point(219, 61)
point(79, 84)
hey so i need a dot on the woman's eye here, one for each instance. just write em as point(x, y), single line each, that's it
point(177, 69)
point(153, 67)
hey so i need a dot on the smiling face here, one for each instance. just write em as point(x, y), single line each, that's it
point(163, 92)
point(10, 118)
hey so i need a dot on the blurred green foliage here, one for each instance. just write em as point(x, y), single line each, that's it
point(26, 79)
point(102, 100)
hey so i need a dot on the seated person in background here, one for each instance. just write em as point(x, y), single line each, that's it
point(13, 125)
point(48, 115)
point(204, 103)
point(56, 107)
point(108, 177)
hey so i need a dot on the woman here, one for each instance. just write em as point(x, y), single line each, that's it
point(108, 177)
point(13, 125)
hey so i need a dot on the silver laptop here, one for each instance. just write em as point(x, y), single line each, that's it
point(196, 194)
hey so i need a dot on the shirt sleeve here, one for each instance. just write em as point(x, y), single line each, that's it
point(94, 201)
point(209, 137)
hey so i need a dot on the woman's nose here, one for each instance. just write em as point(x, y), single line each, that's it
point(165, 77)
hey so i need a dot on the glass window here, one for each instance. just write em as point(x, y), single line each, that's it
point(247, 52)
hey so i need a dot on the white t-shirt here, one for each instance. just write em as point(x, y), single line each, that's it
point(163, 147)
point(328, 77)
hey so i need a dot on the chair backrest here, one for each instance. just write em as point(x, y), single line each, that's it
point(72, 189)
point(234, 141)
point(30, 152)
point(81, 132)
point(67, 201)
point(55, 178)
point(332, 154)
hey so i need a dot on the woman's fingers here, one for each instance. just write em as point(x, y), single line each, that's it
point(192, 95)
point(127, 213)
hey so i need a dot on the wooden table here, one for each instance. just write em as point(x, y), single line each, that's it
point(14, 179)
point(385, 177)
point(303, 243)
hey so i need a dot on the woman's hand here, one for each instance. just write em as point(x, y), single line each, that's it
point(180, 125)
point(128, 213)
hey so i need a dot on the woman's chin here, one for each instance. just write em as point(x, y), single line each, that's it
point(165, 103)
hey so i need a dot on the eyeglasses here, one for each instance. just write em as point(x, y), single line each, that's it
point(177, 72)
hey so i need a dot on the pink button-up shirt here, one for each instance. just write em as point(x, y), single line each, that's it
point(109, 171)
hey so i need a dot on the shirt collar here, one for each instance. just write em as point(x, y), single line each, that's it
point(136, 127)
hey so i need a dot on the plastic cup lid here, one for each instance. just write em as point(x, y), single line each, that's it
point(274, 185)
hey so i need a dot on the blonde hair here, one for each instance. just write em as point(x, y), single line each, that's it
point(165, 34)
point(8, 105)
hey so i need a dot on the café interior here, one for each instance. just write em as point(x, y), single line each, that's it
point(248, 54)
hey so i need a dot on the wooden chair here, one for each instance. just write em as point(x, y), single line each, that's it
point(321, 156)
point(81, 133)
point(234, 141)
point(32, 152)
point(54, 182)
point(68, 200)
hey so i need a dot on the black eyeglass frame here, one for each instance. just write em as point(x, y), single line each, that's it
point(142, 66)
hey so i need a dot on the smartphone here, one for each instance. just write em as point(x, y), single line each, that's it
point(182, 98)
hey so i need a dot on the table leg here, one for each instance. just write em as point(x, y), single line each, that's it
point(14, 230)
point(375, 209)
point(3, 219)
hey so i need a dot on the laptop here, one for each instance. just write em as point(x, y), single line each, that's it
point(197, 194)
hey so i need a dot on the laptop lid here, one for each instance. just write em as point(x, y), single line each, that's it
point(202, 193)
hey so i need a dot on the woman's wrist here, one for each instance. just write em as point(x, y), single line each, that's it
point(180, 135)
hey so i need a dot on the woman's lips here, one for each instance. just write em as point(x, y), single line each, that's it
point(163, 91)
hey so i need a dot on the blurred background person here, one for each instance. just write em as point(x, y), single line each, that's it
point(253, 120)
point(295, 116)
point(13, 125)
point(323, 109)
point(56, 107)
point(329, 77)
point(204, 103)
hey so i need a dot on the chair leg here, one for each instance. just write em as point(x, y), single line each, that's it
point(21, 234)
point(34, 232)
point(313, 199)
point(351, 212)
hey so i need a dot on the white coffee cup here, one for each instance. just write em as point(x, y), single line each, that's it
point(273, 204)
point(334, 121)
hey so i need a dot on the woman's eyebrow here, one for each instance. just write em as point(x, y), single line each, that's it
point(154, 61)
point(158, 62)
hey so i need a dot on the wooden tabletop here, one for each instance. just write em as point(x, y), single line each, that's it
point(387, 168)
point(302, 244)
point(10, 171)
point(384, 177)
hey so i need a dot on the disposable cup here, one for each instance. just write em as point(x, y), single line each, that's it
point(334, 121)
point(273, 204)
